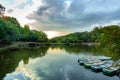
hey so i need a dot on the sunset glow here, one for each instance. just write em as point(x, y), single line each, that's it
point(52, 34)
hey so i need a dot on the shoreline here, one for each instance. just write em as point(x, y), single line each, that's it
point(19, 45)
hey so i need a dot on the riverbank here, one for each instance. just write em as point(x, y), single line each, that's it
point(13, 45)
point(18, 45)
point(21, 45)
point(89, 43)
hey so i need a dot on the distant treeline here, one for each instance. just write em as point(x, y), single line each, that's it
point(10, 31)
point(107, 36)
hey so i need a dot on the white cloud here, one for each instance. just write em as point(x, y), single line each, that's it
point(21, 14)
point(17, 2)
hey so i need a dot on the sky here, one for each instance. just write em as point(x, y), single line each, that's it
point(59, 17)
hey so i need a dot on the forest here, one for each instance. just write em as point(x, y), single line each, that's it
point(10, 31)
point(107, 36)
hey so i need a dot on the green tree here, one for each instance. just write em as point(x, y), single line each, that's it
point(37, 36)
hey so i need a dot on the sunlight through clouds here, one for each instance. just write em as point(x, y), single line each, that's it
point(52, 34)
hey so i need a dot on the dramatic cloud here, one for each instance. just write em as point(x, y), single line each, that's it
point(75, 15)
point(64, 16)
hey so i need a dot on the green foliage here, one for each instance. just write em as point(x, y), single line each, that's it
point(10, 30)
point(77, 37)
point(35, 36)
point(109, 37)
point(4, 36)
point(25, 33)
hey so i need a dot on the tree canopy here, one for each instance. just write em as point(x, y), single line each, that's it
point(107, 36)
point(11, 30)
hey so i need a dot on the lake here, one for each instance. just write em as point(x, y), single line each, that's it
point(51, 63)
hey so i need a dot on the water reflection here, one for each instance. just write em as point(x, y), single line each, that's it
point(18, 74)
point(9, 60)
point(50, 63)
point(90, 50)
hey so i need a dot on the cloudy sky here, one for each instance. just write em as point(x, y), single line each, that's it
point(63, 16)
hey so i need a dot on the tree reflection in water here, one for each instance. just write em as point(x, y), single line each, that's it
point(9, 60)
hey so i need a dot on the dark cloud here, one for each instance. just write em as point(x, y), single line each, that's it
point(10, 10)
point(74, 15)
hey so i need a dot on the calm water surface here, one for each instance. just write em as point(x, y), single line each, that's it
point(51, 63)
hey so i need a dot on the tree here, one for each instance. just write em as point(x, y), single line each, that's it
point(37, 36)
point(25, 33)
point(4, 37)
point(11, 30)
point(109, 37)
point(2, 10)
